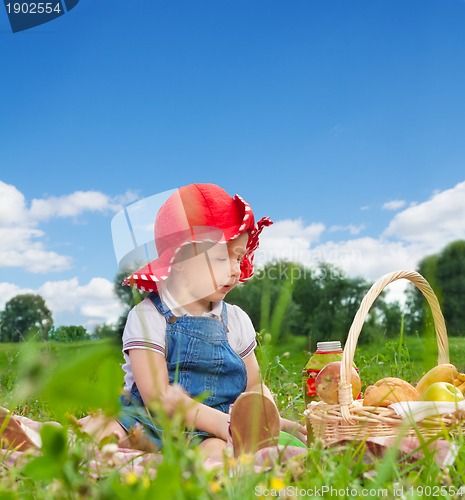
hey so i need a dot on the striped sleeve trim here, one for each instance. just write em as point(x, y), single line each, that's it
point(249, 349)
point(143, 344)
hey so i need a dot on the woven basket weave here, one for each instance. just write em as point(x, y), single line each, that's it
point(350, 419)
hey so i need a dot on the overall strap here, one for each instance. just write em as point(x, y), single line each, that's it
point(224, 317)
point(171, 318)
point(162, 307)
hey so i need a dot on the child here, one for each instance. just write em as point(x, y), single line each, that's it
point(183, 340)
point(185, 348)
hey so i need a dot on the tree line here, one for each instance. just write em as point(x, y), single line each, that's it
point(283, 299)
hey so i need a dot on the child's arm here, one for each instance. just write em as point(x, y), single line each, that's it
point(254, 377)
point(255, 383)
point(151, 377)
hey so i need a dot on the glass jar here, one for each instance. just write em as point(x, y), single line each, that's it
point(326, 352)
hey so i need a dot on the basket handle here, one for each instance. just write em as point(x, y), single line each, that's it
point(345, 387)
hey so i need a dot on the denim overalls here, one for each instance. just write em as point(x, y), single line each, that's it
point(200, 359)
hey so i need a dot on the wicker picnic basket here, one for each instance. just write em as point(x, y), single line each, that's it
point(350, 420)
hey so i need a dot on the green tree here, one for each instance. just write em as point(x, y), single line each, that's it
point(69, 334)
point(106, 331)
point(128, 296)
point(268, 298)
point(329, 301)
point(419, 318)
point(450, 275)
point(25, 315)
point(390, 320)
point(318, 302)
point(445, 272)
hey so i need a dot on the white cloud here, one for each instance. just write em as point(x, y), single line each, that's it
point(351, 228)
point(10, 290)
point(99, 301)
point(22, 244)
point(287, 239)
point(74, 204)
point(71, 205)
point(291, 240)
point(18, 249)
point(95, 302)
point(434, 223)
point(394, 205)
point(89, 305)
point(412, 234)
point(366, 257)
point(12, 206)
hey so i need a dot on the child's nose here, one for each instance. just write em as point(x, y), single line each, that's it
point(235, 268)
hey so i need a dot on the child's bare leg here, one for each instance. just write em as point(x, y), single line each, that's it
point(294, 428)
point(100, 426)
point(262, 389)
point(255, 423)
point(15, 433)
point(213, 448)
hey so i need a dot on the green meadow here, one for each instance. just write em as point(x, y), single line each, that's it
point(53, 381)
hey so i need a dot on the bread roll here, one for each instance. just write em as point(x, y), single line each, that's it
point(389, 390)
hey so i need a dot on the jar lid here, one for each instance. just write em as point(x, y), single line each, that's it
point(333, 345)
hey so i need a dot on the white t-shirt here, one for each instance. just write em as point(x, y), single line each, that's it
point(145, 329)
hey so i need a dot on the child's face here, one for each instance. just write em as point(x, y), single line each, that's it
point(208, 272)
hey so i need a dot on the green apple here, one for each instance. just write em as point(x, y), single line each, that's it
point(442, 391)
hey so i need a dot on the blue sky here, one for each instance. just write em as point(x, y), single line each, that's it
point(343, 121)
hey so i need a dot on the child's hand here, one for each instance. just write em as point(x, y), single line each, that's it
point(174, 398)
point(294, 428)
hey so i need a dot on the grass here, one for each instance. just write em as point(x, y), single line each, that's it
point(52, 381)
